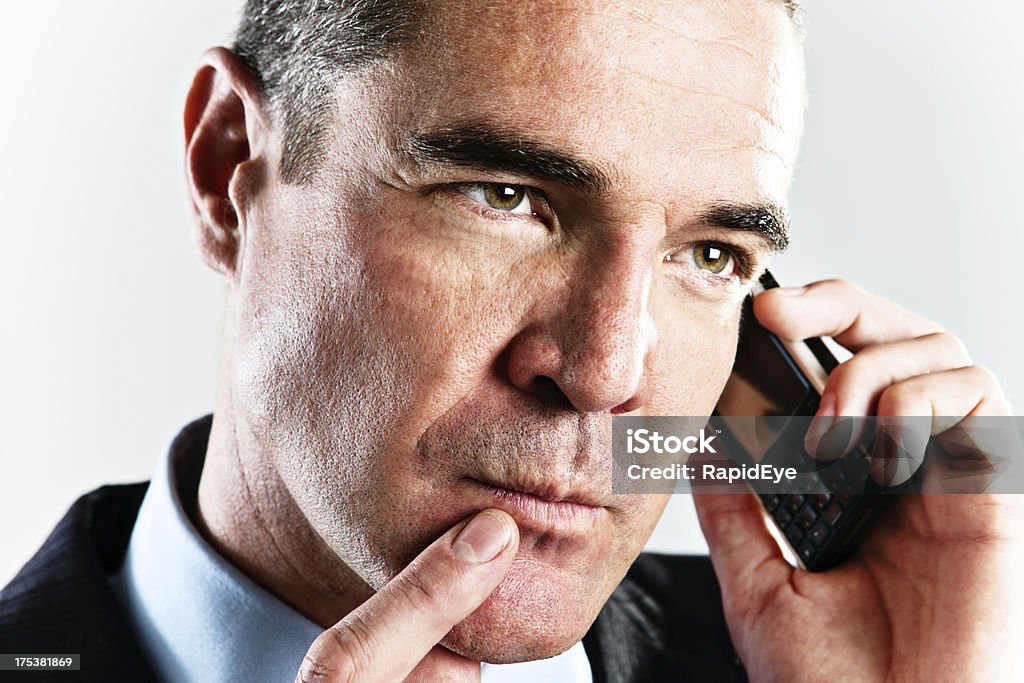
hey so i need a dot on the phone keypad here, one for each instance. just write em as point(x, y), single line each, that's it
point(824, 506)
point(807, 520)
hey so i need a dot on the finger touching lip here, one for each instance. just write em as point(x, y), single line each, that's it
point(541, 512)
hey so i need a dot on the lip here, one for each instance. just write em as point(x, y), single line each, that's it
point(539, 511)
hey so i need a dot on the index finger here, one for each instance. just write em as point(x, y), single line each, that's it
point(854, 317)
point(387, 636)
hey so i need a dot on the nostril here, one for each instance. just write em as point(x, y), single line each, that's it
point(628, 406)
point(548, 391)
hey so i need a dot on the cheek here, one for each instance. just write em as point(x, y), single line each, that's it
point(693, 358)
point(304, 386)
point(349, 349)
point(443, 322)
point(360, 321)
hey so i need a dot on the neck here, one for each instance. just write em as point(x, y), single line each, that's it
point(246, 513)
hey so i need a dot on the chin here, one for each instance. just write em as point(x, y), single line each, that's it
point(535, 613)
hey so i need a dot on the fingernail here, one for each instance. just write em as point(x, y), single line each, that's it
point(482, 539)
point(791, 291)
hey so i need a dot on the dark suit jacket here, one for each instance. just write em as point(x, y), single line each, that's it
point(663, 623)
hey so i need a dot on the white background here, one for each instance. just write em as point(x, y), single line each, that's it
point(909, 184)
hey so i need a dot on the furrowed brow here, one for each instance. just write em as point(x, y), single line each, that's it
point(769, 221)
point(488, 148)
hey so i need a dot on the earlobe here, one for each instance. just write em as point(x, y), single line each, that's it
point(224, 122)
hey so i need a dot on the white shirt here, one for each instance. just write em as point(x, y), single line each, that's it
point(198, 618)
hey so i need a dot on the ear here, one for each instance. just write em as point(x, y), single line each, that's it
point(225, 124)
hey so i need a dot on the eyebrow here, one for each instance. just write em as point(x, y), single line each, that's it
point(488, 148)
point(768, 220)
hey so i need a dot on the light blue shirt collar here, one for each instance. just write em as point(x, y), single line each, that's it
point(198, 618)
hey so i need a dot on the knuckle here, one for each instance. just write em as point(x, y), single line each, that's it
point(984, 373)
point(842, 286)
point(899, 399)
point(342, 653)
point(840, 283)
point(316, 670)
point(956, 346)
point(852, 377)
point(985, 377)
point(421, 588)
point(850, 371)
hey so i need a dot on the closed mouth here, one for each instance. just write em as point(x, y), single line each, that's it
point(540, 509)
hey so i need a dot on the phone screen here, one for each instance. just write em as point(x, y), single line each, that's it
point(764, 380)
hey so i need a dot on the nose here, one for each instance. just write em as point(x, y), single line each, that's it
point(587, 345)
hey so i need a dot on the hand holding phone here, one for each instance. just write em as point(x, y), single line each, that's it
point(775, 378)
point(949, 557)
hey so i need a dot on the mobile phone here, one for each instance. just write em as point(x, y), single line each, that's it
point(826, 510)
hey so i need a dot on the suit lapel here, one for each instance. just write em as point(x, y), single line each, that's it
point(60, 602)
point(663, 622)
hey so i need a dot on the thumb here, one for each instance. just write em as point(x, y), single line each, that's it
point(387, 636)
point(748, 562)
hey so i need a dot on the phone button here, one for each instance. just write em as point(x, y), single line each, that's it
point(807, 551)
point(818, 533)
point(832, 514)
point(820, 500)
point(794, 534)
point(807, 517)
point(832, 476)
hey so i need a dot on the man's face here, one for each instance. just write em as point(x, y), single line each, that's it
point(418, 337)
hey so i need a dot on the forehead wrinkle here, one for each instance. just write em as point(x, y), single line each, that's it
point(649, 17)
point(766, 61)
point(710, 148)
point(707, 93)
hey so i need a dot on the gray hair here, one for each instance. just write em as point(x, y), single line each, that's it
point(297, 49)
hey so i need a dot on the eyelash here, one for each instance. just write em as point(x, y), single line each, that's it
point(746, 263)
point(538, 200)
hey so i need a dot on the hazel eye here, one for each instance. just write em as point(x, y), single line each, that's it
point(714, 259)
point(710, 257)
point(500, 197)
